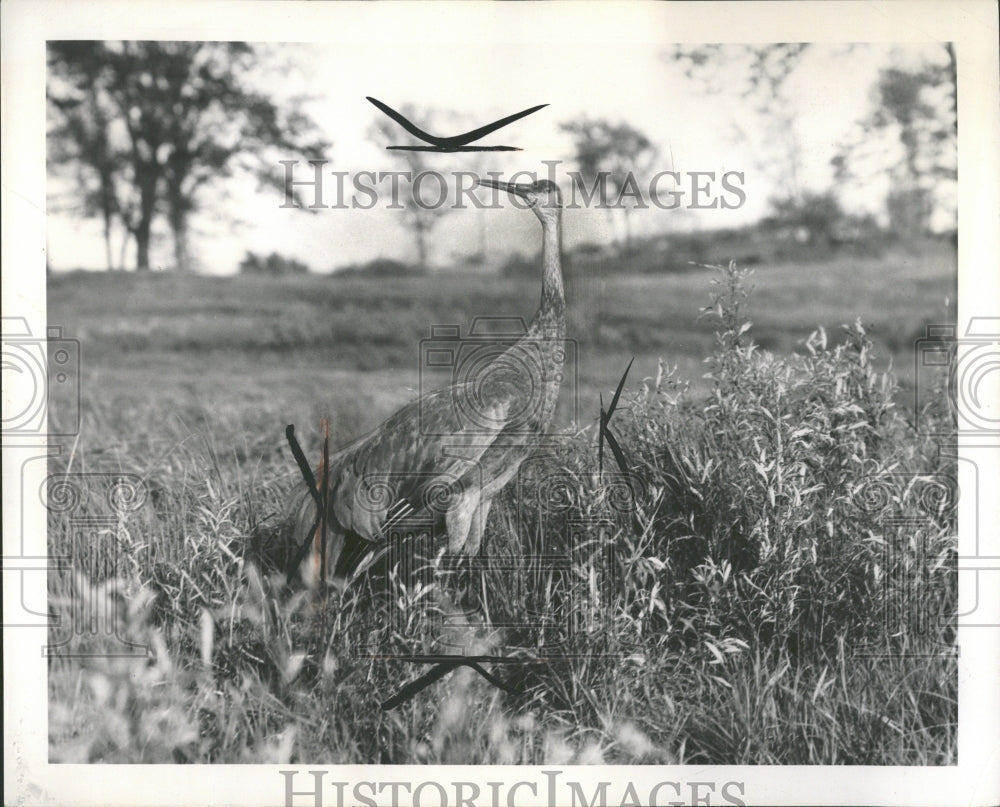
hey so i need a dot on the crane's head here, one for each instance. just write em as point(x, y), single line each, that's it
point(542, 196)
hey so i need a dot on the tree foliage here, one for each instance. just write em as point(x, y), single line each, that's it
point(912, 128)
point(614, 154)
point(758, 75)
point(274, 265)
point(147, 128)
point(419, 218)
point(815, 215)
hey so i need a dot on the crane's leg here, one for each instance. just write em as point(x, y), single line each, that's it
point(459, 521)
point(311, 571)
point(478, 526)
point(465, 630)
point(345, 550)
point(354, 550)
point(466, 521)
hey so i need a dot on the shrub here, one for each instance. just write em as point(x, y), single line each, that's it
point(790, 524)
point(777, 493)
point(272, 265)
point(380, 268)
point(517, 265)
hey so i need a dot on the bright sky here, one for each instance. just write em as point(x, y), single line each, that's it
point(636, 83)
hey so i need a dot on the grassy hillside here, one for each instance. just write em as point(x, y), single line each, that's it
point(754, 573)
point(314, 334)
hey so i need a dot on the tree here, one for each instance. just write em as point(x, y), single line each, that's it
point(814, 218)
point(613, 155)
point(419, 216)
point(912, 128)
point(757, 75)
point(167, 120)
point(80, 140)
point(274, 265)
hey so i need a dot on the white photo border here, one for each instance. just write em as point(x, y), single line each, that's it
point(26, 26)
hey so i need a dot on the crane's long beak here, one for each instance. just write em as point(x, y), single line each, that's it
point(510, 187)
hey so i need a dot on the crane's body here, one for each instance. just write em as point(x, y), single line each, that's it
point(444, 456)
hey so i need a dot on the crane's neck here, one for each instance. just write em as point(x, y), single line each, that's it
point(550, 316)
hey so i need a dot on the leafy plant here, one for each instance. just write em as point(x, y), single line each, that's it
point(772, 583)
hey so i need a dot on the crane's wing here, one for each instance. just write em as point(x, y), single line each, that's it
point(421, 458)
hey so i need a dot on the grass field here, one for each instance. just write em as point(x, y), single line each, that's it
point(753, 567)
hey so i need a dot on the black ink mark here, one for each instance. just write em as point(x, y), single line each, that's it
point(444, 665)
point(605, 432)
point(458, 142)
point(310, 481)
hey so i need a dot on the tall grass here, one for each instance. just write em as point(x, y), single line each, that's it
point(769, 580)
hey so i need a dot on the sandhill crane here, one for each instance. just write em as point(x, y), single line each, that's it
point(449, 452)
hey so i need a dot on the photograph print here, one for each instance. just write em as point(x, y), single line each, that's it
point(504, 398)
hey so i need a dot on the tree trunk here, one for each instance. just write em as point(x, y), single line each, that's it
point(953, 79)
point(142, 237)
point(107, 243)
point(182, 252)
point(144, 228)
point(628, 234)
point(421, 232)
point(615, 240)
point(180, 204)
point(123, 247)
